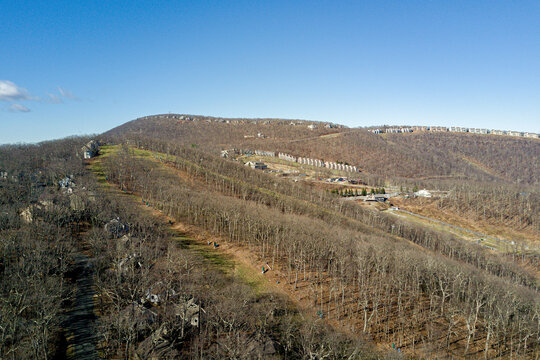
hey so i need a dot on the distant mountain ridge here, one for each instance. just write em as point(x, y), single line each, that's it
point(417, 156)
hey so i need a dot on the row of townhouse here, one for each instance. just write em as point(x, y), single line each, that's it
point(514, 133)
point(265, 153)
point(327, 164)
point(342, 167)
point(399, 130)
point(478, 131)
point(459, 129)
point(437, 128)
point(402, 130)
point(392, 130)
point(287, 157)
point(309, 161)
point(319, 163)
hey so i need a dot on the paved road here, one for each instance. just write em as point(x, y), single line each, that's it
point(360, 197)
point(503, 244)
point(500, 242)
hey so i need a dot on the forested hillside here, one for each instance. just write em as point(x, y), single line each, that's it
point(504, 158)
point(397, 283)
point(40, 225)
point(88, 272)
point(484, 175)
point(154, 247)
point(425, 157)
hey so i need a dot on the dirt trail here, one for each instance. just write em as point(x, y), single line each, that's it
point(477, 228)
point(482, 167)
point(79, 322)
point(242, 258)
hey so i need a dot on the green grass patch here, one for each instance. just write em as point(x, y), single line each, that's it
point(222, 261)
point(95, 165)
point(144, 153)
point(252, 278)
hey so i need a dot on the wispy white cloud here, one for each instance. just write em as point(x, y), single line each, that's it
point(9, 91)
point(18, 108)
point(67, 94)
point(54, 99)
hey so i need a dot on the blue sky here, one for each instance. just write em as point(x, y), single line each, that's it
point(77, 67)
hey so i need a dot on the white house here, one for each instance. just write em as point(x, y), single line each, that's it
point(423, 193)
point(90, 150)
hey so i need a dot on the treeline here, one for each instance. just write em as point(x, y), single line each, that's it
point(383, 285)
point(496, 203)
point(34, 264)
point(37, 246)
point(216, 136)
point(513, 160)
